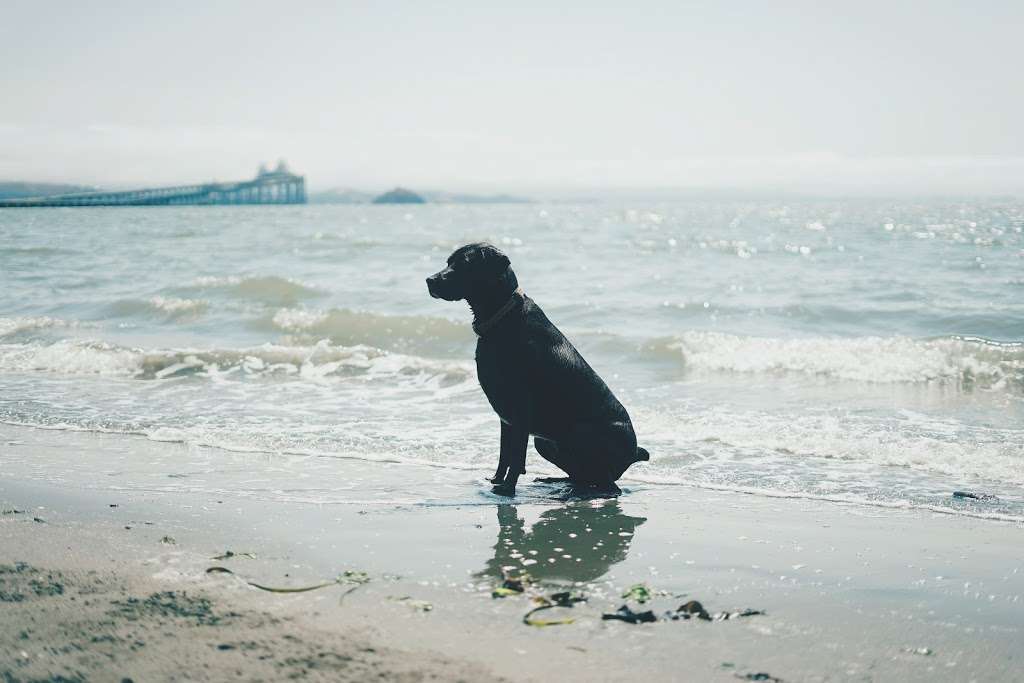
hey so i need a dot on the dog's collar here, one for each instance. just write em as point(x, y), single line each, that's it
point(481, 328)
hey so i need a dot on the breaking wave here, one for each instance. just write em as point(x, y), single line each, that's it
point(268, 289)
point(422, 334)
point(968, 360)
point(10, 327)
point(352, 337)
point(317, 362)
point(167, 306)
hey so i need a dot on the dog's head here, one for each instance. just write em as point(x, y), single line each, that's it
point(472, 268)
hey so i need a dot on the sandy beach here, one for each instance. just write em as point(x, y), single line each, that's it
point(105, 583)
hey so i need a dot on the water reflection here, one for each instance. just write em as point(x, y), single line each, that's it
point(576, 542)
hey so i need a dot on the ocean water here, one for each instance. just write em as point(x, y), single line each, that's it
point(857, 350)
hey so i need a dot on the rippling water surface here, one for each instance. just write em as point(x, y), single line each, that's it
point(856, 350)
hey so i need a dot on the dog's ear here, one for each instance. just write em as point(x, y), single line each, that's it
point(493, 259)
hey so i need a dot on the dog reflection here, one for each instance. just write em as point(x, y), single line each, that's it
point(575, 542)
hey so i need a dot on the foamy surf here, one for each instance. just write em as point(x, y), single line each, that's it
point(169, 307)
point(318, 361)
point(354, 338)
point(271, 290)
point(10, 327)
point(862, 359)
point(421, 334)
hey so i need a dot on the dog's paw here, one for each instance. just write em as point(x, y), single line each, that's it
point(504, 489)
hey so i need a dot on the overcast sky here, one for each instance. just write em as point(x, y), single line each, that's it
point(857, 96)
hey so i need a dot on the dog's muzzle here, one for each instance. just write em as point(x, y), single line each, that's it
point(431, 283)
point(440, 287)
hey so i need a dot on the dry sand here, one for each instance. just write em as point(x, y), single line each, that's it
point(75, 609)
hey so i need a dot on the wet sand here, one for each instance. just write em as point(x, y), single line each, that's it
point(105, 576)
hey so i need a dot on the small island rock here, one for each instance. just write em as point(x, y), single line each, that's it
point(399, 195)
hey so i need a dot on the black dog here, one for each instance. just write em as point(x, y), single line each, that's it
point(535, 380)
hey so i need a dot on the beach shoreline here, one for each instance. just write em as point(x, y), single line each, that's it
point(849, 592)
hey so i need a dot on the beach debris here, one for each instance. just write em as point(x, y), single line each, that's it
point(113, 505)
point(512, 585)
point(638, 592)
point(418, 605)
point(691, 609)
point(627, 615)
point(353, 576)
point(169, 540)
point(924, 651)
point(356, 578)
point(562, 599)
point(988, 497)
point(228, 554)
point(688, 610)
point(759, 676)
point(11, 511)
point(40, 520)
point(518, 584)
point(724, 616)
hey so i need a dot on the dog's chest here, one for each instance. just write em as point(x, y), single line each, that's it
point(501, 376)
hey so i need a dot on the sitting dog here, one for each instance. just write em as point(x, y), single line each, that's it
point(536, 380)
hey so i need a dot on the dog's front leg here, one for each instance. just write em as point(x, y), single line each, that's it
point(503, 462)
point(499, 474)
point(512, 459)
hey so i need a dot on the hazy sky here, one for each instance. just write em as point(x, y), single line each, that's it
point(530, 96)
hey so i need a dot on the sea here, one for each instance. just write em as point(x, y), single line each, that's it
point(864, 351)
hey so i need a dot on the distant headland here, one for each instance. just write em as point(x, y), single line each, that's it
point(343, 195)
point(399, 195)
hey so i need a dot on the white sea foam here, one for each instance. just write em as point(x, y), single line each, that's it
point(16, 325)
point(268, 289)
point(914, 442)
point(863, 359)
point(316, 362)
point(298, 320)
point(176, 307)
point(425, 335)
point(70, 358)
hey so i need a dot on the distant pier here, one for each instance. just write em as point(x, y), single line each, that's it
point(279, 186)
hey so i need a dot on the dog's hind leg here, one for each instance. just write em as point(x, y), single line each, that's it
point(548, 449)
point(596, 455)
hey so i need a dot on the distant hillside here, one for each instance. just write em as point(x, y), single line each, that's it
point(16, 190)
point(399, 195)
point(342, 195)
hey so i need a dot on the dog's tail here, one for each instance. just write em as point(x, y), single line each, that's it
point(642, 454)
